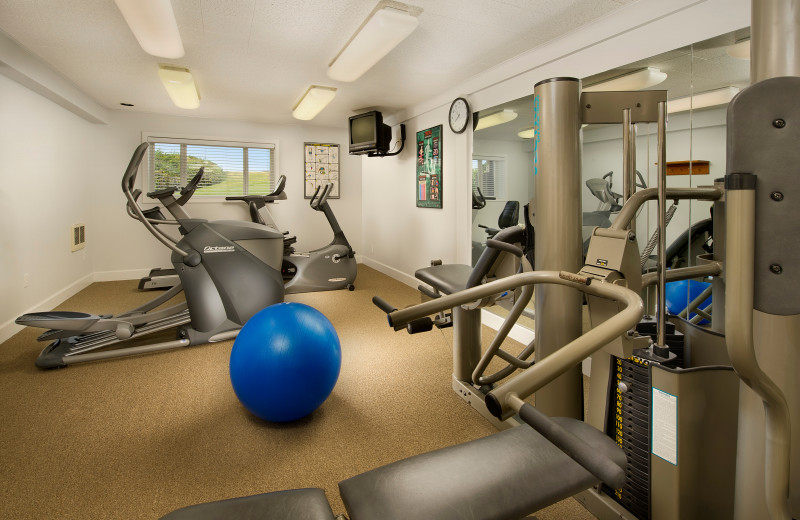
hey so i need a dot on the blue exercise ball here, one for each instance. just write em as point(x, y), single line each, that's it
point(285, 362)
point(679, 294)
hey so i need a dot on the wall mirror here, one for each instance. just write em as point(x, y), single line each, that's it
point(700, 80)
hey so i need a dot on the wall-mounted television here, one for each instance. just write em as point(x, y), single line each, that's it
point(368, 134)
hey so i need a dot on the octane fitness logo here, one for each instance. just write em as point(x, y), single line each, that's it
point(218, 249)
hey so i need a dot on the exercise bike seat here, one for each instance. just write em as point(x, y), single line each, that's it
point(445, 278)
point(297, 504)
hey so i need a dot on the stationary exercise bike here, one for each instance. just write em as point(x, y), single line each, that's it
point(228, 271)
point(325, 269)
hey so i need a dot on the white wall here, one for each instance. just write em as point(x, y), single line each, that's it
point(404, 238)
point(399, 237)
point(45, 187)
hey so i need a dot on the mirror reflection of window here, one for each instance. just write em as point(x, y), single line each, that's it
point(489, 174)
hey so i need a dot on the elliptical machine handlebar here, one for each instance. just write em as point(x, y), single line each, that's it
point(128, 180)
point(259, 201)
point(188, 190)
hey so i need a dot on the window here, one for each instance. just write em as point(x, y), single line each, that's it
point(489, 174)
point(231, 168)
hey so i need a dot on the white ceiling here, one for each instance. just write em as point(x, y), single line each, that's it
point(253, 59)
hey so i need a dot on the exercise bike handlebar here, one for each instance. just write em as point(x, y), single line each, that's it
point(316, 202)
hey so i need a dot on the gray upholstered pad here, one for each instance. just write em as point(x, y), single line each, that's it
point(297, 504)
point(447, 278)
point(506, 475)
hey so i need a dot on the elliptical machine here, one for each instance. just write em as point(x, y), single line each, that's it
point(228, 271)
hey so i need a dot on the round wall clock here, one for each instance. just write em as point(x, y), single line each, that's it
point(459, 115)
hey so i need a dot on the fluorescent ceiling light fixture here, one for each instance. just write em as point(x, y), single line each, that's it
point(313, 101)
point(381, 32)
point(180, 86)
point(153, 24)
point(496, 118)
point(636, 80)
point(527, 133)
point(740, 49)
point(720, 96)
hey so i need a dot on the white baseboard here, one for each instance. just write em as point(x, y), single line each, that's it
point(10, 328)
point(391, 272)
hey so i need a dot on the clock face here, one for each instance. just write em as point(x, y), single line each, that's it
point(459, 115)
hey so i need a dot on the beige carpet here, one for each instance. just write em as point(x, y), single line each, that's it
point(138, 437)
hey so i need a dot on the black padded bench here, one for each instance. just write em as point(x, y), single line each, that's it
point(505, 475)
point(445, 278)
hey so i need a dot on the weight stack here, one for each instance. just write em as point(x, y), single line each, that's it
point(630, 406)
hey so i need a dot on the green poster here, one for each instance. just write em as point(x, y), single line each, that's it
point(429, 168)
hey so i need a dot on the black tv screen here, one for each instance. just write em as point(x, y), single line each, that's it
point(368, 134)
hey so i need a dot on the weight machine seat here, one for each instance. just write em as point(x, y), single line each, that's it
point(506, 475)
point(446, 278)
point(296, 504)
point(510, 215)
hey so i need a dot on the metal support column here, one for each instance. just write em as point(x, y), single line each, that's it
point(557, 202)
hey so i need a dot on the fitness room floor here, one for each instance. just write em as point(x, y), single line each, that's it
point(141, 436)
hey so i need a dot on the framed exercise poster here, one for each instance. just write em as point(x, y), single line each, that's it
point(429, 168)
point(322, 167)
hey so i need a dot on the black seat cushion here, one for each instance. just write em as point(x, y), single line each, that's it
point(446, 278)
point(510, 215)
point(506, 475)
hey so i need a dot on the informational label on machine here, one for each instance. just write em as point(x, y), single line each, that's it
point(665, 426)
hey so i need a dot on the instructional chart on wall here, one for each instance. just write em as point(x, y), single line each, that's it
point(429, 168)
point(322, 167)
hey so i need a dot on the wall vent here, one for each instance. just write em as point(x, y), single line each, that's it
point(78, 237)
